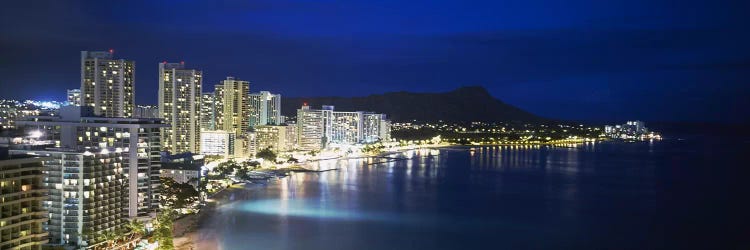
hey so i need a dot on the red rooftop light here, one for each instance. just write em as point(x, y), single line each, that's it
point(111, 51)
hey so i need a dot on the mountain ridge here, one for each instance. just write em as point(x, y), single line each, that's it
point(464, 104)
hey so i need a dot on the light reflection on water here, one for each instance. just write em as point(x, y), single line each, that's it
point(508, 197)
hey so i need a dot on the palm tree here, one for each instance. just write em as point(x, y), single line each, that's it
point(136, 228)
point(110, 236)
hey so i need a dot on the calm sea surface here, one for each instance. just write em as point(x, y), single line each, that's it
point(673, 194)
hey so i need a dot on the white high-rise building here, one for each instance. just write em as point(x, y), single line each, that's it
point(107, 84)
point(265, 109)
point(318, 128)
point(345, 127)
point(74, 97)
point(76, 128)
point(374, 127)
point(311, 128)
point(180, 107)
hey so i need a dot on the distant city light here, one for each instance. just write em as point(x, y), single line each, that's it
point(36, 134)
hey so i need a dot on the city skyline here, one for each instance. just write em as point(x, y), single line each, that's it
point(606, 61)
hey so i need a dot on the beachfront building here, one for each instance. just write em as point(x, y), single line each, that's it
point(318, 128)
point(311, 128)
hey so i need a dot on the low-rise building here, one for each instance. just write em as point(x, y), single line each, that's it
point(218, 142)
point(182, 168)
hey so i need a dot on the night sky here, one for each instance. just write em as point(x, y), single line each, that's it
point(588, 60)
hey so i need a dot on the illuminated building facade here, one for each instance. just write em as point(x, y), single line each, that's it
point(180, 107)
point(182, 168)
point(265, 109)
point(318, 128)
point(311, 128)
point(217, 142)
point(107, 84)
point(22, 195)
point(235, 104)
point(146, 111)
point(12, 110)
point(344, 127)
point(375, 127)
point(208, 119)
point(275, 137)
point(76, 129)
point(74, 97)
point(85, 193)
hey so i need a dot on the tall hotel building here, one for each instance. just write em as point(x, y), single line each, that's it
point(22, 195)
point(344, 127)
point(139, 139)
point(318, 128)
point(85, 193)
point(107, 84)
point(311, 128)
point(236, 113)
point(265, 109)
point(180, 107)
point(208, 121)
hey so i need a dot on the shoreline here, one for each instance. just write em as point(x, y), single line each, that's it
point(190, 232)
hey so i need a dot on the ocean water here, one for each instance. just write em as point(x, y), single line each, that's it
point(671, 194)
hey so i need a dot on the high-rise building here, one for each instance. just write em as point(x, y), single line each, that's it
point(218, 108)
point(139, 138)
point(318, 128)
point(22, 195)
point(236, 115)
point(265, 109)
point(85, 193)
point(180, 107)
point(74, 97)
point(311, 128)
point(385, 130)
point(372, 124)
point(208, 119)
point(344, 127)
point(107, 84)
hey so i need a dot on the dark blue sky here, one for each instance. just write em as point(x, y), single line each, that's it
point(590, 60)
